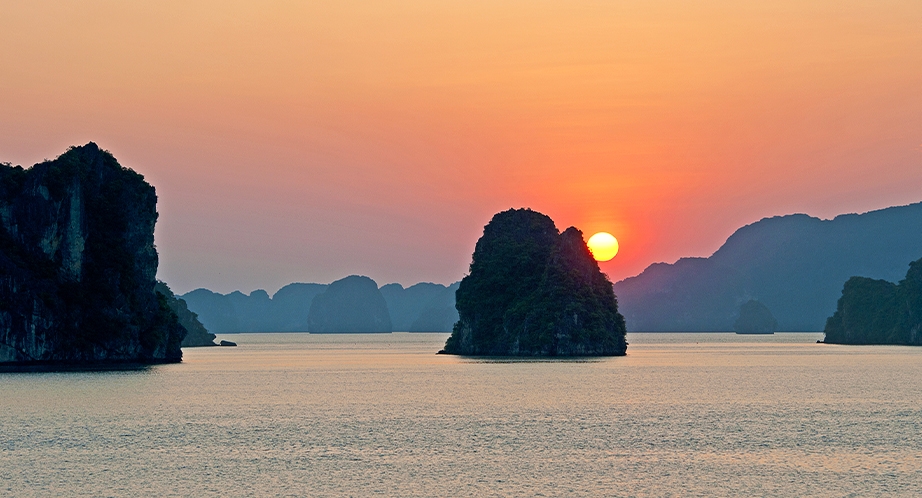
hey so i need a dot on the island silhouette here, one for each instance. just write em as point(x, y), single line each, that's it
point(794, 265)
point(879, 312)
point(78, 265)
point(533, 291)
point(423, 307)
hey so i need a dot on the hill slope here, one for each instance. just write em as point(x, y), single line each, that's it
point(795, 265)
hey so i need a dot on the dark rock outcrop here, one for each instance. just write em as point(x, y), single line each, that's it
point(533, 291)
point(794, 264)
point(78, 265)
point(350, 305)
point(755, 318)
point(196, 334)
point(879, 312)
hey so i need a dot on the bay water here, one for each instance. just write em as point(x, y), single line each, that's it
point(383, 415)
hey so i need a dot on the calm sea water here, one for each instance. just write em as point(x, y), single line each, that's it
point(362, 415)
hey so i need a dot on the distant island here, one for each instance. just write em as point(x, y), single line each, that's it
point(879, 312)
point(352, 304)
point(755, 318)
point(794, 265)
point(533, 291)
point(423, 307)
point(78, 265)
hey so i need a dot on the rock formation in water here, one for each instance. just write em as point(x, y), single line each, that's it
point(214, 310)
point(286, 311)
point(533, 291)
point(78, 264)
point(196, 334)
point(291, 305)
point(879, 312)
point(350, 305)
point(794, 264)
point(755, 318)
point(424, 307)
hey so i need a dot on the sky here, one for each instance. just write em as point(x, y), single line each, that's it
point(306, 141)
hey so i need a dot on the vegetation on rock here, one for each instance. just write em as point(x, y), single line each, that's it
point(879, 312)
point(533, 291)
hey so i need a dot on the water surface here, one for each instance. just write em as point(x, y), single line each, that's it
point(381, 414)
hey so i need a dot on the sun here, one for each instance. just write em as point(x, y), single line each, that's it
point(603, 246)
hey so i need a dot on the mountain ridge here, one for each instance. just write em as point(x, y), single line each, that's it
point(422, 307)
point(795, 264)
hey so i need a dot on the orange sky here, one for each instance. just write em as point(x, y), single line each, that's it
point(290, 141)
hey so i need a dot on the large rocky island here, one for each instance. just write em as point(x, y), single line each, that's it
point(879, 312)
point(78, 265)
point(533, 291)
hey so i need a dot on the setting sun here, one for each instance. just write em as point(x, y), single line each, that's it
point(603, 246)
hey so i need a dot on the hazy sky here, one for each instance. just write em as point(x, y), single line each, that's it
point(305, 141)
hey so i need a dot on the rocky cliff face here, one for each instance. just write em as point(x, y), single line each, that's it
point(78, 264)
point(533, 291)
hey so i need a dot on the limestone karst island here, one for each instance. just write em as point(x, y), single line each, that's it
point(533, 291)
point(78, 265)
point(874, 311)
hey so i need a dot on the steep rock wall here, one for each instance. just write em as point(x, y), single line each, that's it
point(78, 264)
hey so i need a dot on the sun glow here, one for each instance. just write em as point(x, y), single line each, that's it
point(603, 246)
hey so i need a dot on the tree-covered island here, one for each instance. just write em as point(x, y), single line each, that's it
point(533, 291)
point(879, 312)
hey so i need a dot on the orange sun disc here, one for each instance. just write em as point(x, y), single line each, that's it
point(603, 246)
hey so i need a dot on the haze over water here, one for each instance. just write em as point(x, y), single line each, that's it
point(340, 415)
